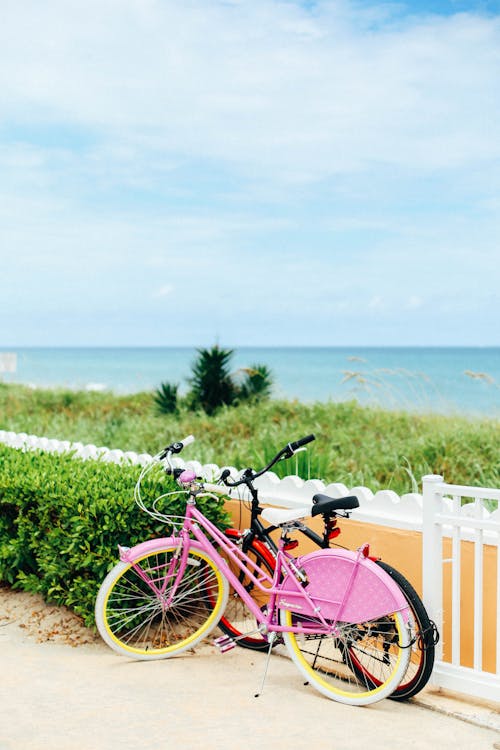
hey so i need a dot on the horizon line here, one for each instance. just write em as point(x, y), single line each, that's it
point(11, 348)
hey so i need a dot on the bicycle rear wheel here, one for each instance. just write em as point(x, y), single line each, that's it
point(134, 615)
point(423, 638)
point(326, 661)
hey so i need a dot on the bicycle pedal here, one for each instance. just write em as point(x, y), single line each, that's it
point(224, 643)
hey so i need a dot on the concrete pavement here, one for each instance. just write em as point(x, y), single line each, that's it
point(58, 697)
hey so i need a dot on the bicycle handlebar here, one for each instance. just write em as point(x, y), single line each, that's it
point(176, 447)
point(217, 489)
point(249, 474)
point(303, 441)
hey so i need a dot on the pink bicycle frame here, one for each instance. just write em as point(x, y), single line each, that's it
point(327, 585)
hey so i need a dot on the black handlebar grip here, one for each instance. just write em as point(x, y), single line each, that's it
point(176, 447)
point(175, 473)
point(302, 441)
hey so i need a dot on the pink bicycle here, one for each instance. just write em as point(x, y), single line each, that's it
point(340, 615)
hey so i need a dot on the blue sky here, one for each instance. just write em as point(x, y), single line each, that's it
point(249, 171)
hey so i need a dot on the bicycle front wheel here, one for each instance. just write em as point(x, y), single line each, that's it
point(137, 616)
point(331, 663)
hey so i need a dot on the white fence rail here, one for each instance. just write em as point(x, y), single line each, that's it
point(440, 514)
point(468, 514)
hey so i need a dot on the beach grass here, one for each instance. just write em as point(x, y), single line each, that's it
point(355, 444)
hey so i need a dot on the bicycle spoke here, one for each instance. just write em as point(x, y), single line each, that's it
point(346, 662)
point(150, 609)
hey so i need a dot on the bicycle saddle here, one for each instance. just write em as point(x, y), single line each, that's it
point(278, 516)
point(325, 504)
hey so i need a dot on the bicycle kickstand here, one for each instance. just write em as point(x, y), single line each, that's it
point(272, 638)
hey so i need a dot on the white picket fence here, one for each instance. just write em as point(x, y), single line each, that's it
point(460, 513)
point(439, 513)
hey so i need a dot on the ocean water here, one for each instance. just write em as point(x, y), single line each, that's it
point(443, 380)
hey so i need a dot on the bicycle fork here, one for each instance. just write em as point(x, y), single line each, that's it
point(158, 582)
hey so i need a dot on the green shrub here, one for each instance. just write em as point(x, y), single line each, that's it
point(61, 520)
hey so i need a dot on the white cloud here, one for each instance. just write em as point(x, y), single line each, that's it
point(314, 171)
point(376, 303)
point(164, 291)
point(263, 85)
point(414, 302)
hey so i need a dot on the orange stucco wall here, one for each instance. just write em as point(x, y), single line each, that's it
point(403, 550)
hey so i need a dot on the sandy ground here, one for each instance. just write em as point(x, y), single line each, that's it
point(41, 622)
point(63, 689)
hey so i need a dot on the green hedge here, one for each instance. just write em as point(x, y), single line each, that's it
point(62, 518)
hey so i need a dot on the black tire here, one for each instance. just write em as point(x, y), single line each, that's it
point(425, 634)
point(237, 621)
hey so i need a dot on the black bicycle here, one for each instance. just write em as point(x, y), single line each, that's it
point(257, 542)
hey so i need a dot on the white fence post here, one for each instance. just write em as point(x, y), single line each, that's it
point(432, 555)
point(444, 514)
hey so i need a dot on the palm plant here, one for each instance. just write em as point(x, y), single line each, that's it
point(165, 398)
point(211, 383)
point(257, 384)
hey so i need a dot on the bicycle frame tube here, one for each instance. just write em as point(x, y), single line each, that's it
point(284, 566)
point(263, 533)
